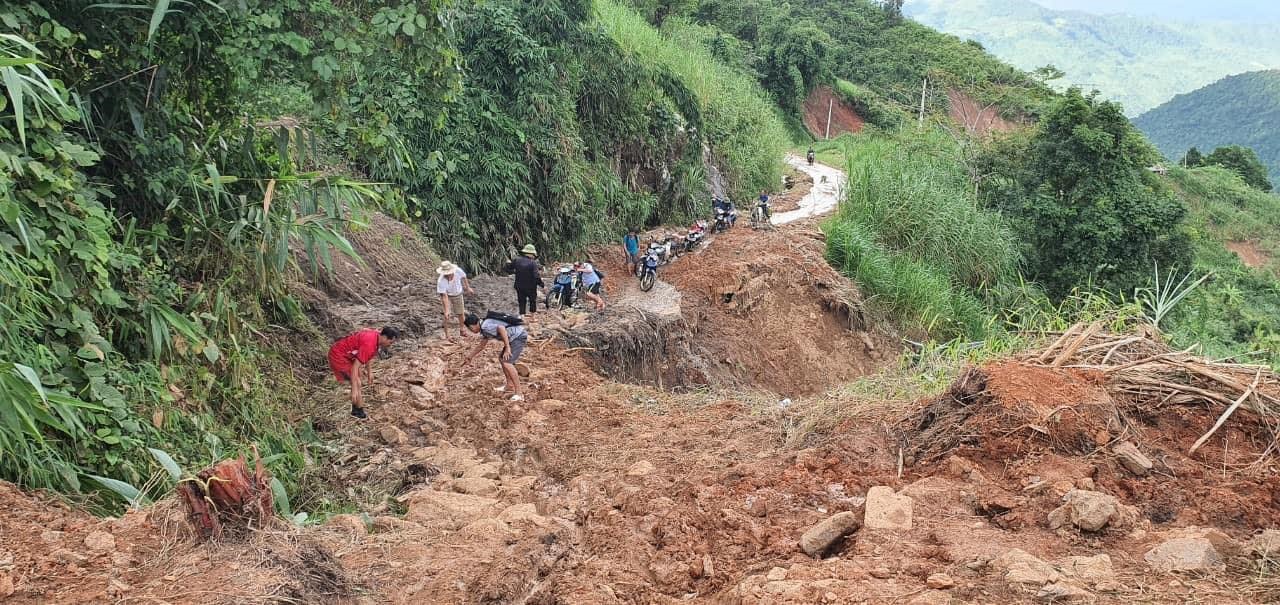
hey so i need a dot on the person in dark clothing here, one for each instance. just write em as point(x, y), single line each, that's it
point(528, 278)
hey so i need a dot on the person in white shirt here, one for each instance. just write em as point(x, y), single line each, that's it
point(450, 286)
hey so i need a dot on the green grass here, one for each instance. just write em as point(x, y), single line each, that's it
point(749, 132)
point(912, 236)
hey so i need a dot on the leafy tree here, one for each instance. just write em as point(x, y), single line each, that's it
point(1244, 162)
point(1192, 159)
point(1079, 193)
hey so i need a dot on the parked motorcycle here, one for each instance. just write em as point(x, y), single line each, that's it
point(697, 232)
point(725, 217)
point(563, 290)
point(649, 269)
point(810, 156)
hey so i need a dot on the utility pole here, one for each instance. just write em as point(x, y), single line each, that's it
point(924, 89)
point(830, 103)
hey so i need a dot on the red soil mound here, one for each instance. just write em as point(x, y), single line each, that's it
point(975, 117)
point(843, 118)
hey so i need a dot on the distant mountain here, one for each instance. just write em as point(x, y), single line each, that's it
point(1138, 61)
point(1238, 110)
point(1186, 10)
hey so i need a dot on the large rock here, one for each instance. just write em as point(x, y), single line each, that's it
point(431, 508)
point(476, 486)
point(1185, 554)
point(940, 581)
point(1090, 569)
point(100, 542)
point(393, 435)
point(887, 510)
point(1021, 567)
point(821, 537)
point(1087, 510)
point(643, 468)
point(1132, 459)
point(488, 470)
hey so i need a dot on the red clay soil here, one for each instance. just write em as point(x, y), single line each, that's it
point(843, 118)
point(975, 117)
point(1250, 254)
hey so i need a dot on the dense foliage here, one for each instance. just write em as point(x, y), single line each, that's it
point(1139, 61)
point(149, 226)
point(1083, 202)
point(1241, 110)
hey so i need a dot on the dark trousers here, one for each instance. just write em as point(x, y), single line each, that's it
point(528, 299)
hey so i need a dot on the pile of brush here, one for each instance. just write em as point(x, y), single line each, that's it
point(1144, 372)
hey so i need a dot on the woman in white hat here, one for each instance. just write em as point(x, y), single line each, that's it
point(453, 281)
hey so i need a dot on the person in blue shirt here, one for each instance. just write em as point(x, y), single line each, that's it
point(592, 284)
point(631, 243)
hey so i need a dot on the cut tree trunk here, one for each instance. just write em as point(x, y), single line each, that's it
point(226, 497)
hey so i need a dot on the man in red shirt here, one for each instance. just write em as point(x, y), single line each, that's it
point(355, 352)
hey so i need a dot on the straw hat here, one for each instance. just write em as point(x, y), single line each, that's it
point(446, 268)
point(529, 250)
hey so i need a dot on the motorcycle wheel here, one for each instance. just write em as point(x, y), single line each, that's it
point(646, 282)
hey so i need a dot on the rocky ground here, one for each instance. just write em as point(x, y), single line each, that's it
point(1040, 478)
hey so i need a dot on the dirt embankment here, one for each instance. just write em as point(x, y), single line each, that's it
point(976, 118)
point(823, 102)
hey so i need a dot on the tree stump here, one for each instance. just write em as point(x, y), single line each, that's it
point(226, 497)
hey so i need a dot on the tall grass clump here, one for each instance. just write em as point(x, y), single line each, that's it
point(746, 135)
point(913, 237)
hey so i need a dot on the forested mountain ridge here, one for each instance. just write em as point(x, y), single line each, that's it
point(1139, 61)
point(1241, 110)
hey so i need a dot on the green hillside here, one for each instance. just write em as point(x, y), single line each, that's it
point(1237, 110)
point(1139, 61)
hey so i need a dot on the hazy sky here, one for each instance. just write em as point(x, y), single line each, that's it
point(1177, 9)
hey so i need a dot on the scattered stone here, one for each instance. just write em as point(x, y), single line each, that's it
point(1062, 591)
point(392, 435)
point(1185, 554)
point(488, 470)
point(1265, 544)
point(351, 524)
point(475, 486)
point(940, 581)
point(6, 585)
point(100, 542)
point(522, 370)
point(887, 510)
point(996, 502)
point(431, 508)
point(777, 574)
point(1087, 510)
point(643, 468)
point(1086, 484)
point(758, 507)
point(379, 457)
point(881, 573)
point(1090, 569)
point(1108, 586)
point(821, 537)
point(420, 394)
point(1021, 567)
point(1132, 459)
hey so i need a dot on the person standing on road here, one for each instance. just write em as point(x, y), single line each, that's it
point(354, 353)
point(631, 244)
point(450, 286)
point(513, 337)
point(592, 284)
point(528, 278)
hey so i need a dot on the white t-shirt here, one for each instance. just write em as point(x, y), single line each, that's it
point(451, 287)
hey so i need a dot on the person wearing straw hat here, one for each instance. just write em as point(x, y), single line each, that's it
point(450, 286)
point(528, 278)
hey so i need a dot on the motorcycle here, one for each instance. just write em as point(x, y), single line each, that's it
point(697, 232)
point(649, 270)
point(725, 217)
point(563, 290)
point(760, 216)
point(810, 157)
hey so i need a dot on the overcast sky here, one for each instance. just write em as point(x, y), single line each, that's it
point(1177, 9)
